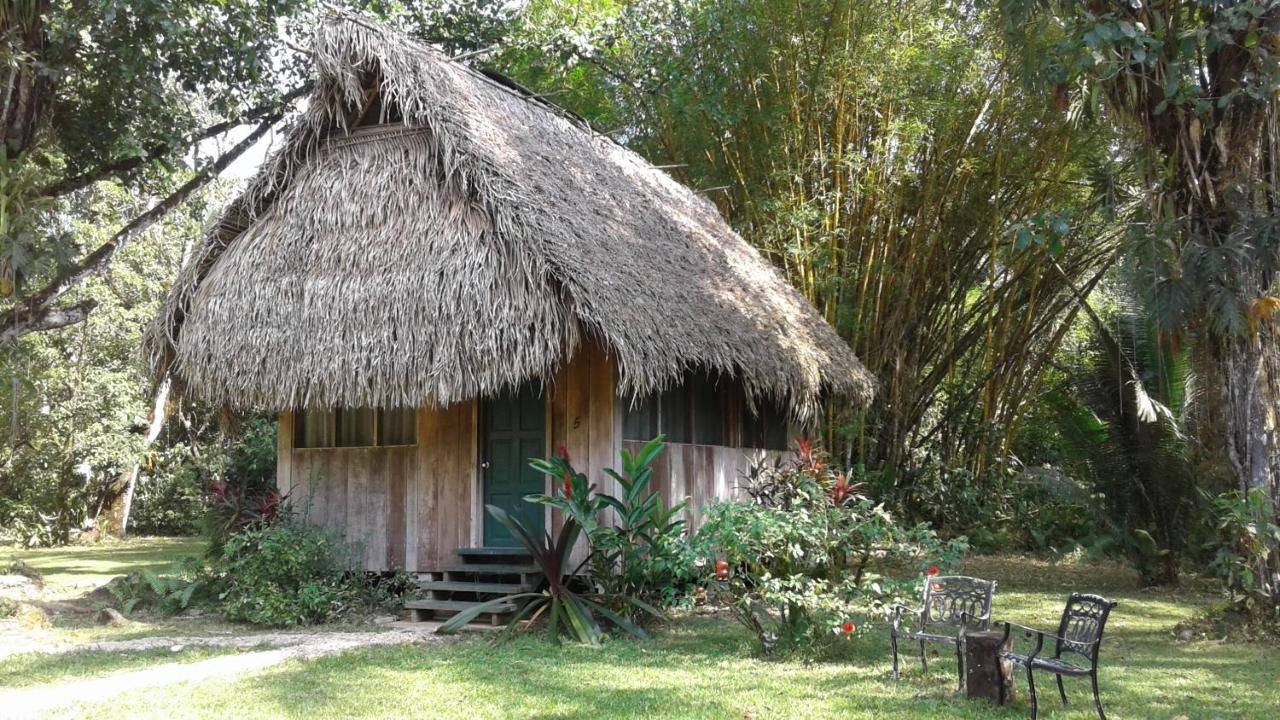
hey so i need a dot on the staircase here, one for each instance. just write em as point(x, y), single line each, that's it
point(483, 574)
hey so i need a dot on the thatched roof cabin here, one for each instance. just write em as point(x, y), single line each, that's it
point(433, 239)
point(467, 243)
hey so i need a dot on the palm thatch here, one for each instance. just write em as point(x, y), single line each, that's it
point(468, 243)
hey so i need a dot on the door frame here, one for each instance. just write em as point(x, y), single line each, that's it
point(478, 515)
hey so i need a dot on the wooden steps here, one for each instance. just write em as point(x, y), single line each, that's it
point(454, 606)
point(484, 574)
point(486, 588)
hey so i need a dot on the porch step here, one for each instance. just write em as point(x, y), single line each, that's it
point(484, 571)
point(474, 587)
point(491, 569)
point(488, 552)
point(456, 606)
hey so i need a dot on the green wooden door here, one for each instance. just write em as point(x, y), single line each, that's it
point(514, 432)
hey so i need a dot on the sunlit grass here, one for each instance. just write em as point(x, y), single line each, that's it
point(30, 669)
point(71, 571)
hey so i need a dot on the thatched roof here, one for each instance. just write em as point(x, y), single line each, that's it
point(468, 247)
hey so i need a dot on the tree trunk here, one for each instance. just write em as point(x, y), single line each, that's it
point(26, 87)
point(115, 519)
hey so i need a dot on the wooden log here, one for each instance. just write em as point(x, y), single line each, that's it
point(985, 671)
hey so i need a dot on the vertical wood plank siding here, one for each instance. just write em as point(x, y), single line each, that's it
point(407, 506)
point(411, 506)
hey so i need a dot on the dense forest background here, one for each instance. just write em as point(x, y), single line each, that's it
point(1048, 229)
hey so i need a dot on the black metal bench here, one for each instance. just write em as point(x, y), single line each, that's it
point(951, 605)
point(1075, 647)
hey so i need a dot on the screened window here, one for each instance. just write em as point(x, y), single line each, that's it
point(693, 412)
point(314, 429)
point(640, 421)
point(766, 428)
point(398, 427)
point(354, 427)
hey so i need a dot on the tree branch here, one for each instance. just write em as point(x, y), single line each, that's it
point(34, 313)
point(62, 317)
point(123, 166)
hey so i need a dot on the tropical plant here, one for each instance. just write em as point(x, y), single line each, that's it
point(1189, 89)
point(641, 551)
point(792, 560)
point(570, 611)
point(168, 592)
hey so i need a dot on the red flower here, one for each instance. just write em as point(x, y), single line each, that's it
point(269, 505)
point(568, 483)
point(564, 453)
point(933, 570)
point(848, 628)
point(722, 570)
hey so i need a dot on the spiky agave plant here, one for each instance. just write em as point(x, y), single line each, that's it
point(569, 613)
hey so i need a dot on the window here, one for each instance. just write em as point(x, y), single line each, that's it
point(314, 429)
point(355, 427)
point(398, 427)
point(692, 412)
point(766, 428)
point(640, 419)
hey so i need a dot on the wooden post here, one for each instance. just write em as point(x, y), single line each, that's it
point(985, 671)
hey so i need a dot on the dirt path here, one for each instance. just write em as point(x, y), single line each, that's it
point(277, 648)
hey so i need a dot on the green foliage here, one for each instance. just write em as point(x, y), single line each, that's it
point(641, 551)
point(171, 499)
point(287, 573)
point(570, 613)
point(186, 583)
point(792, 561)
point(1245, 551)
point(76, 400)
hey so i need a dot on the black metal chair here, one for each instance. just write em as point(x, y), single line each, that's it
point(1075, 649)
point(951, 606)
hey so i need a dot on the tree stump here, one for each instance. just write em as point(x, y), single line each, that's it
point(985, 671)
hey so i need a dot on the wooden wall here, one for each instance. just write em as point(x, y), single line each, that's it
point(700, 473)
point(412, 506)
point(409, 506)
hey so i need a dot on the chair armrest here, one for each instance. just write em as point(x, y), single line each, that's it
point(1027, 632)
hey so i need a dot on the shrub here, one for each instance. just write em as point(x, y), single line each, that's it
point(287, 572)
point(1246, 552)
point(792, 560)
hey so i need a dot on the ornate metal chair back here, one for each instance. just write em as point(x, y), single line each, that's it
point(1083, 620)
point(948, 599)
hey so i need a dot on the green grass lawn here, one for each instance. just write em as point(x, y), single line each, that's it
point(73, 570)
point(704, 667)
